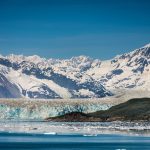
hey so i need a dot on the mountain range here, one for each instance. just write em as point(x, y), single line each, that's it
point(78, 77)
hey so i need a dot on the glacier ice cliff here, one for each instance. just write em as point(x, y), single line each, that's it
point(27, 109)
point(40, 109)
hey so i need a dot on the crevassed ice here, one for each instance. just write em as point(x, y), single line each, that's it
point(42, 112)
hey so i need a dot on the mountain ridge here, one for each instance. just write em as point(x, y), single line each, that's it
point(78, 77)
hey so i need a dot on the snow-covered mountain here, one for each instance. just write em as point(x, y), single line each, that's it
point(78, 77)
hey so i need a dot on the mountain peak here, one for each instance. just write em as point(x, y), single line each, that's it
point(1, 56)
point(147, 45)
point(35, 58)
point(20, 58)
point(15, 58)
point(81, 58)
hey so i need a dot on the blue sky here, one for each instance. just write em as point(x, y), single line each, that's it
point(65, 28)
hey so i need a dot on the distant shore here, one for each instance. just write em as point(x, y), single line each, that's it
point(133, 110)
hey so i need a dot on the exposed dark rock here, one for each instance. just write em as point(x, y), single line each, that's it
point(74, 117)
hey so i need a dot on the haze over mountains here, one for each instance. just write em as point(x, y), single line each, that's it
point(78, 77)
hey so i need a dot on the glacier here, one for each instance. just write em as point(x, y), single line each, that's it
point(40, 110)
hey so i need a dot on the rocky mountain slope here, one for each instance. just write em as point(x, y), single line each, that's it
point(78, 77)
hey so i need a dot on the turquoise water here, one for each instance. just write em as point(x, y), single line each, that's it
point(28, 141)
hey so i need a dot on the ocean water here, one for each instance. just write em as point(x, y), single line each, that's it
point(28, 141)
point(30, 135)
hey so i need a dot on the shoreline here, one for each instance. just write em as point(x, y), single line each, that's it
point(89, 128)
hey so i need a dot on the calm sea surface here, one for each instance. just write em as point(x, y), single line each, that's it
point(29, 141)
point(37, 135)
